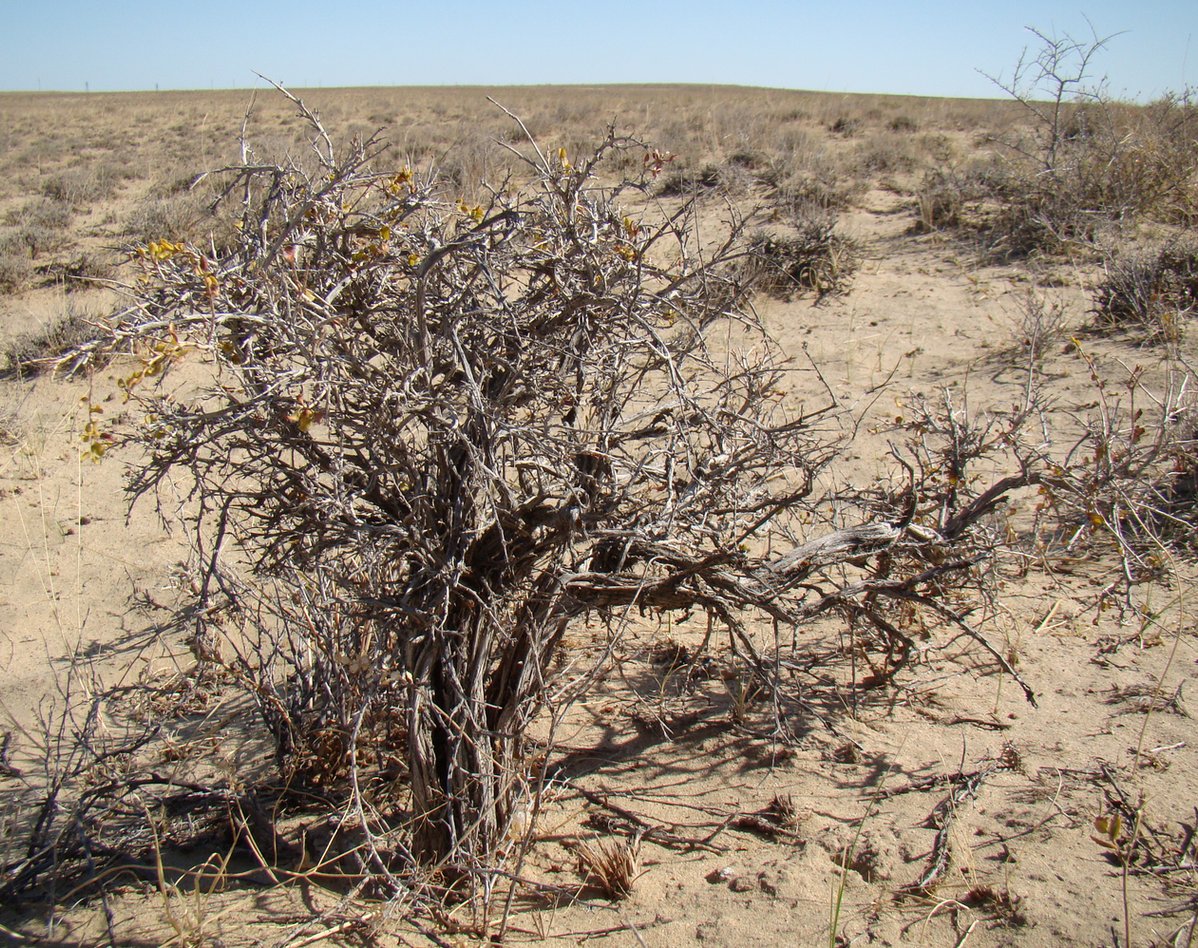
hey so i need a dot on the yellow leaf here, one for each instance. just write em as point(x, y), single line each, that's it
point(305, 418)
point(1110, 826)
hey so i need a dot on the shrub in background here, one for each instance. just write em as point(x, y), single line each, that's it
point(15, 265)
point(1082, 163)
point(809, 257)
point(1149, 293)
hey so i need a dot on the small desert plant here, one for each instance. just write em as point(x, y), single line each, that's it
point(804, 174)
point(81, 187)
point(10, 427)
point(750, 159)
point(82, 270)
point(998, 904)
point(16, 268)
point(1039, 327)
point(948, 198)
point(743, 694)
point(1036, 217)
point(811, 258)
point(903, 123)
point(71, 763)
point(885, 153)
point(1172, 130)
point(688, 181)
point(846, 126)
point(1151, 293)
point(1131, 478)
point(610, 865)
point(800, 192)
point(40, 224)
point(39, 349)
point(179, 216)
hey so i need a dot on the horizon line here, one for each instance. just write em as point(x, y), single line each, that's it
point(496, 85)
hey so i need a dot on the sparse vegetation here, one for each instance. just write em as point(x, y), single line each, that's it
point(611, 865)
point(685, 182)
point(949, 198)
point(1040, 328)
point(82, 187)
point(16, 267)
point(846, 126)
point(1129, 479)
point(40, 226)
point(530, 547)
point(180, 216)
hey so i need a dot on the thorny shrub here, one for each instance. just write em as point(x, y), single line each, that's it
point(441, 432)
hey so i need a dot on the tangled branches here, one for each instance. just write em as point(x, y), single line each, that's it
point(431, 435)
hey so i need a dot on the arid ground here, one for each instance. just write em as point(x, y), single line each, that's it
point(932, 804)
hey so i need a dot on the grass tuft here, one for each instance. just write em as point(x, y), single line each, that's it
point(38, 350)
point(813, 258)
point(610, 865)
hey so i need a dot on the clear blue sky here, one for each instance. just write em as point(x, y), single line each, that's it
point(931, 48)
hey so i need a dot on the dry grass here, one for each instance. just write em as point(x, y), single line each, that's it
point(129, 151)
point(36, 350)
point(610, 865)
point(1150, 294)
point(810, 257)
